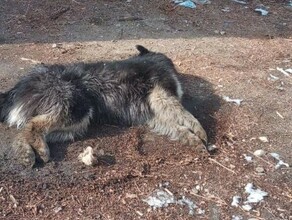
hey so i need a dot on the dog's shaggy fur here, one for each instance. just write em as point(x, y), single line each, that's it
point(59, 102)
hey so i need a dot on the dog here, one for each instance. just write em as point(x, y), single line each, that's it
point(56, 103)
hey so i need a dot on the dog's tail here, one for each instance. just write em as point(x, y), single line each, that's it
point(3, 98)
point(142, 50)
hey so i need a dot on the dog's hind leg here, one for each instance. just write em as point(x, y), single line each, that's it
point(171, 119)
point(31, 139)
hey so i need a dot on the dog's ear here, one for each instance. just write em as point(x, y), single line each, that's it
point(142, 50)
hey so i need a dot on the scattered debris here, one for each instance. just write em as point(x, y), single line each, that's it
point(247, 158)
point(243, 2)
point(186, 4)
point(159, 199)
point(58, 45)
point(262, 10)
point(285, 72)
point(212, 147)
point(260, 169)
point(226, 9)
point(264, 139)
point(235, 201)
point(31, 60)
point(273, 78)
point(162, 198)
point(139, 213)
point(185, 201)
point(289, 70)
point(255, 195)
point(259, 153)
point(88, 157)
point(288, 5)
point(131, 196)
point(211, 159)
point(202, 2)
point(220, 32)
point(201, 212)
point(59, 13)
point(236, 101)
point(57, 209)
point(280, 162)
point(15, 202)
point(194, 191)
point(246, 207)
point(281, 116)
point(236, 217)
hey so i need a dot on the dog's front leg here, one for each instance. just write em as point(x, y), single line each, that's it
point(170, 118)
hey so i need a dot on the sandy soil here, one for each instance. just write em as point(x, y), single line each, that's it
point(218, 53)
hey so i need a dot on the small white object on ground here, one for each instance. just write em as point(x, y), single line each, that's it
point(15, 202)
point(56, 45)
point(281, 116)
point(236, 217)
point(262, 10)
point(31, 60)
point(255, 195)
point(212, 147)
point(280, 162)
point(283, 71)
point(247, 158)
point(57, 209)
point(185, 3)
point(259, 153)
point(161, 198)
point(240, 2)
point(202, 2)
point(185, 201)
point(225, 9)
point(236, 101)
point(260, 170)
point(235, 201)
point(201, 211)
point(274, 78)
point(289, 70)
point(263, 139)
point(246, 207)
point(87, 157)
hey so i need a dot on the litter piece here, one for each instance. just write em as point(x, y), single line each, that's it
point(247, 158)
point(88, 157)
point(262, 10)
point(285, 72)
point(246, 207)
point(255, 195)
point(280, 162)
point(202, 2)
point(259, 153)
point(162, 198)
point(243, 2)
point(235, 201)
point(236, 101)
point(289, 70)
point(188, 4)
point(264, 139)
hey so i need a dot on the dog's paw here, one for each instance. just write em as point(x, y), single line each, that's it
point(24, 153)
point(201, 133)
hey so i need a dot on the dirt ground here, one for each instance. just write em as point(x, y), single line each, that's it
point(232, 52)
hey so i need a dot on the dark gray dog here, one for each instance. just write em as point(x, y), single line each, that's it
point(58, 102)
